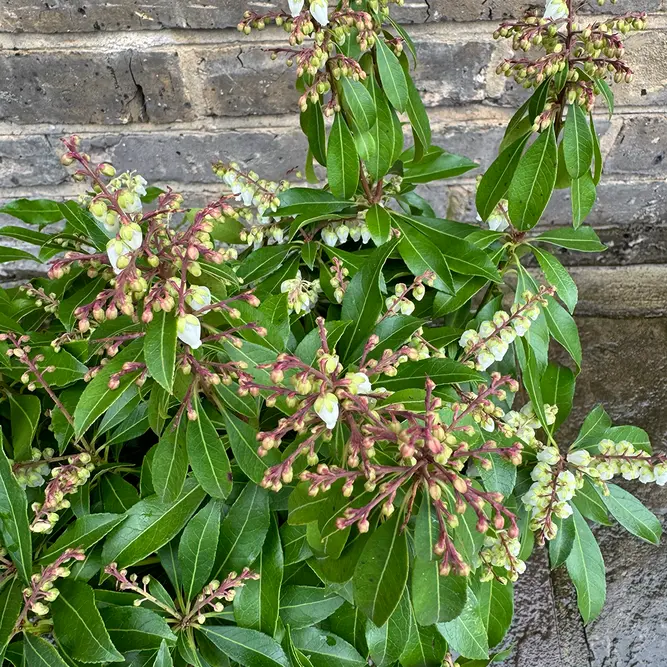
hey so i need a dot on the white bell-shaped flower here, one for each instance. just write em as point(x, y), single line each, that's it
point(359, 383)
point(329, 236)
point(319, 10)
point(130, 238)
point(295, 7)
point(556, 9)
point(198, 297)
point(327, 409)
point(188, 330)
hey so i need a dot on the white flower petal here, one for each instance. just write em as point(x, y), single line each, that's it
point(295, 7)
point(556, 9)
point(319, 11)
point(199, 297)
point(327, 409)
point(189, 331)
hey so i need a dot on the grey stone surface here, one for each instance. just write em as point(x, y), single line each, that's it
point(91, 87)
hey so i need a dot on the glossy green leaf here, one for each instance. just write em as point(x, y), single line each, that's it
point(561, 546)
point(558, 389)
point(197, 548)
point(170, 463)
point(585, 566)
point(496, 607)
point(392, 76)
point(136, 628)
point(583, 239)
point(577, 142)
point(632, 514)
point(382, 571)
point(263, 262)
point(16, 535)
point(149, 525)
point(379, 224)
point(342, 160)
point(325, 649)
point(441, 371)
point(257, 604)
point(78, 626)
point(436, 598)
point(309, 200)
point(437, 166)
point(587, 500)
point(533, 182)
point(25, 411)
point(359, 103)
point(160, 348)
point(243, 531)
point(84, 223)
point(247, 647)
point(497, 178)
point(607, 94)
point(303, 606)
point(118, 495)
point(163, 657)
point(558, 276)
point(466, 634)
point(501, 476)
point(385, 644)
point(33, 211)
point(97, 398)
point(40, 653)
point(82, 534)
point(424, 648)
point(11, 605)
point(312, 124)
point(583, 194)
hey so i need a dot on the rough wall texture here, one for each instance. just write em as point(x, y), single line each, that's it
point(166, 87)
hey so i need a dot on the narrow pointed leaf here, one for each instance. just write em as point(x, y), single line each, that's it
point(170, 463)
point(249, 648)
point(160, 348)
point(342, 160)
point(577, 142)
point(392, 76)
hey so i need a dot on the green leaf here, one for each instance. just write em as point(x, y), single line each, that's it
point(597, 152)
point(379, 224)
point(197, 547)
point(34, 211)
point(558, 276)
point(15, 255)
point(386, 643)
point(585, 566)
point(78, 626)
point(170, 463)
point(387, 133)
point(392, 332)
point(39, 653)
point(160, 348)
point(392, 76)
point(466, 634)
point(163, 657)
point(382, 571)
point(81, 297)
point(312, 124)
point(342, 160)
point(359, 103)
point(97, 398)
point(441, 371)
point(531, 378)
point(497, 178)
point(325, 649)
point(587, 500)
point(583, 239)
point(561, 546)
point(436, 598)
point(577, 143)
point(309, 200)
point(149, 525)
point(420, 255)
point(424, 648)
point(501, 476)
point(583, 198)
point(136, 628)
point(257, 604)
point(16, 536)
point(11, 605)
point(632, 514)
point(295, 545)
point(82, 534)
point(263, 262)
point(558, 389)
point(243, 531)
point(607, 94)
point(244, 444)
point(437, 166)
point(496, 606)
point(208, 457)
point(303, 606)
point(249, 648)
point(533, 182)
point(362, 303)
point(118, 495)
point(25, 411)
point(84, 223)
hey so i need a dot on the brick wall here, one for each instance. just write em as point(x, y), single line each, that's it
point(167, 86)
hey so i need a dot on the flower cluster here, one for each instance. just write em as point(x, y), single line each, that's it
point(501, 552)
point(32, 473)
point(339, 232)
point(66, 480)
point(48, 301)
point(248, 188)
point(523, 423)
point(41, 590)
point(491, 342)
point(586, 53)
point(302, 295)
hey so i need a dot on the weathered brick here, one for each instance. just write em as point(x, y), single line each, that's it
point(85, 87)
point(640, 148)
point(28, 161)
